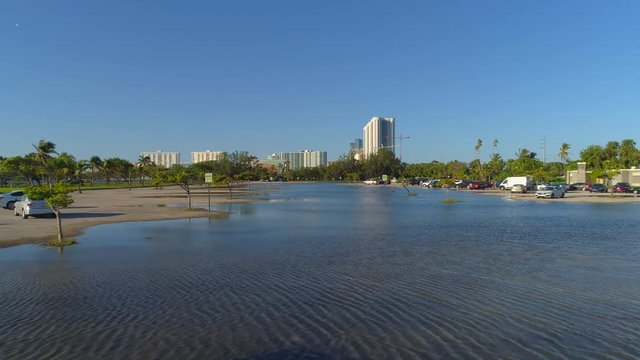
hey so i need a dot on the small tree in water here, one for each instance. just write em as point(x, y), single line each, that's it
point(57, 197)
point(185, 177)
point(223, 180)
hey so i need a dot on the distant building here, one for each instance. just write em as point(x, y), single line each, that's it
point(202, 156)
point(275, 165)
point(298, 160)
point(582, 175)
point(355, 149)
point(314, 158)
point(355, 146)
point(378, 134)
point(163, 158)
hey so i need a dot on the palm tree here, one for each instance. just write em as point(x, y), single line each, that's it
point(143, 163)
point(80, 167)
point(477, 147)
point(109, 168)
point(96, 164)
point(44, 149)
point(564, 152)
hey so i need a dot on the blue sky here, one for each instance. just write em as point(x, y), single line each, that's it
point(113, 78)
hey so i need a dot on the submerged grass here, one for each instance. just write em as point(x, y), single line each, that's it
point(450, 201)
point(63, 243)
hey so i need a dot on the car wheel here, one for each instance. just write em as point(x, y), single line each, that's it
point(24, 215)
point(11, 205)
point(562, 195)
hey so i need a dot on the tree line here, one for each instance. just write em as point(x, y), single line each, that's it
point(46, 166)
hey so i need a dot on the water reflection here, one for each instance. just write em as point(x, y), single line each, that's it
point(332, 271)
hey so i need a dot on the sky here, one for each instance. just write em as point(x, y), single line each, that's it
point(114, 78)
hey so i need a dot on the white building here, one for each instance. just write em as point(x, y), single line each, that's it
point(202, 156)
point(312, 158)
point(301, 159)
point(163, 158)
point(379, 133)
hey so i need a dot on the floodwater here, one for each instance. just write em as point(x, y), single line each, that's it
point(324, 271)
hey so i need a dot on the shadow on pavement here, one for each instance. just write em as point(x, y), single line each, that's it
point(88, 215)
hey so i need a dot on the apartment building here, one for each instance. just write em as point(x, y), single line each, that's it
point(379, 133)
point(163, 158)
point(202, 156)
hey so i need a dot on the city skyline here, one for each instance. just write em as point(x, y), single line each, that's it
point(111, 79)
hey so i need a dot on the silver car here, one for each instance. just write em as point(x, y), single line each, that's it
point(27, 207)
point(550, 192)
point(518, 188)
point(8, 199)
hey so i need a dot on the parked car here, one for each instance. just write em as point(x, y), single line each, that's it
point(8, 199)
point(518, 188)
point(477, 185)
point(577, 186)
point(430, 184)
point(622, 187)
point(542, 186)
point(27, 207)
point(598, 188)
point(488, 185)
point(550, 192)
point(461, 184)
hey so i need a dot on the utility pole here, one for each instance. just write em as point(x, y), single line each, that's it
point(543, 143)
point(401, 137)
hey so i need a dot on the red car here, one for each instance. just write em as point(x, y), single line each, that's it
point(477, 185)
point(621, 187)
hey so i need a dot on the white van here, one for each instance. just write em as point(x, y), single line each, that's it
point(508, 183)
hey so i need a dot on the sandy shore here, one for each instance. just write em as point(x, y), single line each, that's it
point(95, 207)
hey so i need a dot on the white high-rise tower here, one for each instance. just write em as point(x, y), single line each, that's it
point(379, 133)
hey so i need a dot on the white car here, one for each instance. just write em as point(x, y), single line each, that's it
point(550, 192)
point(26, 207)
point(430, 183)
point(8, 199)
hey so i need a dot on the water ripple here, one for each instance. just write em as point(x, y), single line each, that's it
point(404, 281)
